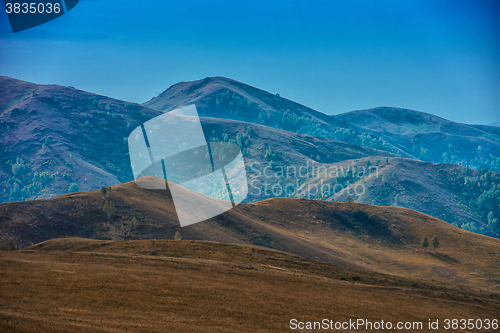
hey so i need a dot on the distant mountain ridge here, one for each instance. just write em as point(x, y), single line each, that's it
point(403, 132)
point(54, 136)
point(59, 139)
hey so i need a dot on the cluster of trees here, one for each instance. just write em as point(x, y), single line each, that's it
point(8, 246)
point(27, 183)
point(229, 99)
point(479, 193)
point(289, 119)
point(420, 152)
point(273, 156)
point(473, 227)
point(239, 106)
point(264, 117)
point(490, 162)
point(492, 132)
point(363, 139)
point(296, 121)
point(242, 139)
point(480, 160)
point(221, 153)
point(300, 123)
point(486, 188)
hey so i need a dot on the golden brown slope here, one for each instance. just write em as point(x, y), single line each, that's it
point(382, 239)
point(82, 285)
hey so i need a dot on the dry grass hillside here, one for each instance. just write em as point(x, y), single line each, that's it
point(360, 236)
point(82, 285)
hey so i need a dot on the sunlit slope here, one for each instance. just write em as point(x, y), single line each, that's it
point(383, 239)
point(83, 285)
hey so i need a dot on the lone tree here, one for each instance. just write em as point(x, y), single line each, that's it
point(435, 242)
point(105, 191)
point(177, 236)
point(109, 208)
point(134, 222)
point(425, 243)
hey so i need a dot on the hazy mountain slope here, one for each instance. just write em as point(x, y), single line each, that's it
point(382, 239)
point(82, 285)
point(404, 132)
point(432, 138)
point(56, 136)
point(225, 98)
point(57, 140)
point(200, 93)
point(461, 196)
point(13, 92)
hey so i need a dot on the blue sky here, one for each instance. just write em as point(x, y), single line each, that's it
point(440, 57)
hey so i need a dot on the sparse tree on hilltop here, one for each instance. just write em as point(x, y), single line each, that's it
point(425, 243)
point(104, 189)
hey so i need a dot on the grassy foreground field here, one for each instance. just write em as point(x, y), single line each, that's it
point(82, 285)
point(373, 238)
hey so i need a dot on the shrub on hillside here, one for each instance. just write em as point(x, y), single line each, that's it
point(8, 246)
point(73, 187)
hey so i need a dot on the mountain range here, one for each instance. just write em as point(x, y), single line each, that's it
point(334, 224)
point(57, 140)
